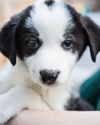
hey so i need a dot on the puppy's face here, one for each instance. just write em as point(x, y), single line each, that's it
point(49, 38)
point(48, 43)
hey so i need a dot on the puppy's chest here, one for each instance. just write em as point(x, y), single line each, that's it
point(55, 98)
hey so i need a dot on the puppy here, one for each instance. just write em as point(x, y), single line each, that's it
point(43, 43)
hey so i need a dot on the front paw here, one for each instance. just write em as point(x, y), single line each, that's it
point(5, 116)
point(3, 119)
point(12, 102)
point(7, 111)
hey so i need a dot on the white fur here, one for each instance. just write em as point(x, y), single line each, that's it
point(21, 84)
point(26, 94)
point(51, 24)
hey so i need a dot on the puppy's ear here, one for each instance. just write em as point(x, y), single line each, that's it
point(7, 39)
point(93, 35)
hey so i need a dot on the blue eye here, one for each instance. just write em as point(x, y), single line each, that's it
point(67, 44)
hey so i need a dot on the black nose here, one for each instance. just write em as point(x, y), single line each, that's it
point(49, 76)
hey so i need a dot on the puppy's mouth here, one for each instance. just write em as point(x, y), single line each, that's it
point(49, 82)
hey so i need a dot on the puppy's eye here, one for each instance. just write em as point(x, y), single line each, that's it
point(67, 44)
point(33, 44)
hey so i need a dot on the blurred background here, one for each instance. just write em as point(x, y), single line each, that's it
point(91, 8)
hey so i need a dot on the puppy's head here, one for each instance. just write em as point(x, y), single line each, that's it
point(49, 36)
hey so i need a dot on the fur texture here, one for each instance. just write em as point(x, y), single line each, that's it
point(48, 35)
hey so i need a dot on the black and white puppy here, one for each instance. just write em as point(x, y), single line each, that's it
point(44, 41)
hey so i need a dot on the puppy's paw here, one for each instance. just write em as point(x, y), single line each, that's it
point(12, 102)
point(3, 119)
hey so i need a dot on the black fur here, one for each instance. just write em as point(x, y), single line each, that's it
point(23, 38)
point(25, 34)
point(85, 32)
point(14, 36)
point(8, 43)
point(93, 35)
point(7, 39)
point(79, 104)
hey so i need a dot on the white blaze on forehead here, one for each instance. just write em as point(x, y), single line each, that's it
point(50, 21)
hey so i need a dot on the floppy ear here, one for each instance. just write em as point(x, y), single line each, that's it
point(7, 39)
point(93, 35)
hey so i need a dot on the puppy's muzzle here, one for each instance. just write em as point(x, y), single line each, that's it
point(49, 76)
